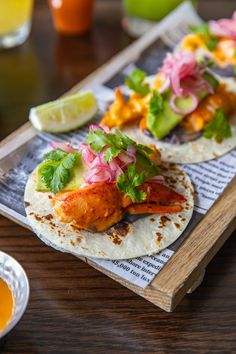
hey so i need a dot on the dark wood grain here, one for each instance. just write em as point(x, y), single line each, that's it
point(73, 308)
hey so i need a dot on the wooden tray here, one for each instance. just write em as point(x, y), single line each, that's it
point(186, 267)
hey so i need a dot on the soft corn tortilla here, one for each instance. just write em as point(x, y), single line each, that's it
point(145, 236)
point(199, 150)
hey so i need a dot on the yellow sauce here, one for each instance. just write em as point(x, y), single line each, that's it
point(6, 304)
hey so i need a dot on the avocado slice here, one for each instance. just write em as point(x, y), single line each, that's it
point(75, 182)
point(166, 120)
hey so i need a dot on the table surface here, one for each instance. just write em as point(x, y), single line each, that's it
point(74, 308)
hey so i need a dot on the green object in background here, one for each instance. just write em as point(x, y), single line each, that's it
point(153, 10)
point(140, 15)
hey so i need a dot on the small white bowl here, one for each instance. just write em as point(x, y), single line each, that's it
point(15, 277)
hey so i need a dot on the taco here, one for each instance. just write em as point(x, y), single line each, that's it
point(110, 198)
point(188, 113)
point(215, 40)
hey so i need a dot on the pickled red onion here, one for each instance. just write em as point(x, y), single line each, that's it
point(224, 27)
point(184, 77)
point(101, 171)
point(100, 127)
point(177, 67)
point(98, 174)
point(107, 172)
point(87, 154)
point(178, 110)
point(165, 85)
point(127, 157)
point(66, 146)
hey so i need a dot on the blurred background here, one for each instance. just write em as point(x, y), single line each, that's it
point(48, 63)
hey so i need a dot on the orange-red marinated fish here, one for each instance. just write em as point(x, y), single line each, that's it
point(206, 110)
point(99, 206)
point(123, 112)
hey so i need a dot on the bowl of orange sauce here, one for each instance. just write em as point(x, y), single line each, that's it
point(14, 293)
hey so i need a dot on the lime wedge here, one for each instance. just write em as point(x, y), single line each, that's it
point(64, 114)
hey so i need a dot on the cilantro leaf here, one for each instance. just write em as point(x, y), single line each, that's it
point(60, 178)
point(46, 174)
point(219, 128)
point(129, 181)
point(156, 106)
point(111, 153)
point(97, 140)
point(211, 43)
point(136, 82)
point(55, 155)
point(56, 172)
point(115, 143)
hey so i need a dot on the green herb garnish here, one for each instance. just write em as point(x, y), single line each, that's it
point(219, 128)
point(211, 40)
point(156, 106)
point(211, 43)
point(57, 172)
point(203, 28)
point(136, 173)
point(55, 155)
point(97, 139)
point(136, 82)
point(129, 181)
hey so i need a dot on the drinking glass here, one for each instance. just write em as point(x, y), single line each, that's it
point(15, 21)
point(72, 17)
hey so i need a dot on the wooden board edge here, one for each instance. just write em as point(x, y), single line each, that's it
point(15, 134)
point(167, 301)
point(213, 230)
point(193, 277)
point(10, 217)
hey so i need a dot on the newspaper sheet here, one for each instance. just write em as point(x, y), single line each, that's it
point(209, 178)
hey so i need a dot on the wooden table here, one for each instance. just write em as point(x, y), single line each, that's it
point(73, 308)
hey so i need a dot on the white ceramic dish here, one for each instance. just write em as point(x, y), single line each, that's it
point(14, 275)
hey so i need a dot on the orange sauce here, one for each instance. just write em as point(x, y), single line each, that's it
point(6, 304)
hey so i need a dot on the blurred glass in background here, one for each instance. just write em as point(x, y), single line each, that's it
point(72, 17)
point(15, 22)
point(141, 15)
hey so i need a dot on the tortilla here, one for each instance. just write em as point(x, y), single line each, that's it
point(146, 235)
point(198, 150)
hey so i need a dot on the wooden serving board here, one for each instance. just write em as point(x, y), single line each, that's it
point(186, 267)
